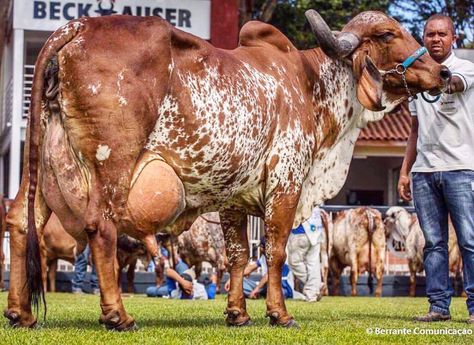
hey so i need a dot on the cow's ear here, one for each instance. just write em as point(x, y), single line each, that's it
point(370, 83)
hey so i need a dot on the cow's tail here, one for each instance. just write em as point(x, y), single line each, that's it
point(370, 232)
point(33, 259)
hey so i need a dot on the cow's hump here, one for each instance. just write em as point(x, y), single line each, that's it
point(257, 34)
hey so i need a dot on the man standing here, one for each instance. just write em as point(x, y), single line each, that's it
point(440, 155)
point(304, 247)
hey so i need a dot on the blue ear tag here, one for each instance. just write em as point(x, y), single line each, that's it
point(312, 227)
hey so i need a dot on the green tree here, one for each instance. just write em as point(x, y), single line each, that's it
point(288, 15)
point(414, 13)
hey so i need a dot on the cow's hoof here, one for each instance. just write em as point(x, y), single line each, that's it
point(16, 321)
point(244, 323)
point(276, 321)
point(235, 318)
point(113, 322)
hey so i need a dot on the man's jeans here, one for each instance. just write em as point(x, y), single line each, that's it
point(435, 195)
point(80, 269)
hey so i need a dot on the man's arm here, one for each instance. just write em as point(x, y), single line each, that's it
point(185, 285)
point(259, 286)
point(408, 161)
point(251, 266)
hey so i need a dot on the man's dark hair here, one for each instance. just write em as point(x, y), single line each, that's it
point(440, 16)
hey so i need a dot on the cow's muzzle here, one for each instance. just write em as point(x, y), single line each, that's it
point(445, 73)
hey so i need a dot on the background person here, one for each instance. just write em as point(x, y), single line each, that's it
point(181, 283)
point(440, 155)
point(304, 255)
point(80, 270)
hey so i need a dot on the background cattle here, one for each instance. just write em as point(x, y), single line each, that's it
point(326, 248)
point(146, 132)
point(204, 241)
point(358, 242)
point(404, 227)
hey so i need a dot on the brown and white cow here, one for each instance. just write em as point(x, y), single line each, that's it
point(204, 241)
point(146, 131)
point(3, 227)
point(358, 242)
point(404, 227)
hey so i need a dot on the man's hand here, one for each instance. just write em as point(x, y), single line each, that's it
point(227, 285)
point(187, 287)
point(254, 294)
point(404, 187)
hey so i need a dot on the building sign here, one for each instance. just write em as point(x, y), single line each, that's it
point(192, 16)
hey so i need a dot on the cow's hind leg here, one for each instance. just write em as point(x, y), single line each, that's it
point(131, 276)
point(336, 272)
point(103, 243)
point(379, 273)
point(19, 308)
point(52, 269)
point(233, 224)
point(354, 277)
point(412, 291)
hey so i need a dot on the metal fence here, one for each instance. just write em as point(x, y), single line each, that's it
point(29, 71)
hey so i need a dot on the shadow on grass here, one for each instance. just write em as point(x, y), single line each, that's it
point(142, 323)
point(351, 316)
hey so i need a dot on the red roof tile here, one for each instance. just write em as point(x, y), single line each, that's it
point(394, 126)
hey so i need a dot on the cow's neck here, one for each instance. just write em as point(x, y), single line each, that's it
point(337, 118)
point(335, 104)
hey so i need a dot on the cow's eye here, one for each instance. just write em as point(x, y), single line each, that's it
point(385, 36)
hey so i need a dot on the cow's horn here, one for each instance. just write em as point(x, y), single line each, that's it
point(337, 48)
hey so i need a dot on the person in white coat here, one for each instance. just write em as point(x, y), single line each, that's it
point(304, 247)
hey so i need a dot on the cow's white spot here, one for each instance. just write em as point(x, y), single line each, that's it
point(171, 66)
point(122, 101)
point(94, 88)
point(103, 152)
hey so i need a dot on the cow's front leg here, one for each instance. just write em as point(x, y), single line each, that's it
point(19, 307)
point(234, 224)
point(279, 220)
point(103, 243)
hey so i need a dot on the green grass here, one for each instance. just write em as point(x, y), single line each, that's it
point(72, 319)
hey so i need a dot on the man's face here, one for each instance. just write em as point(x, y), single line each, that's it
point(439, 39)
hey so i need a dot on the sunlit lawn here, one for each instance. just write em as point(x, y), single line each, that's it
point(72, 319)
